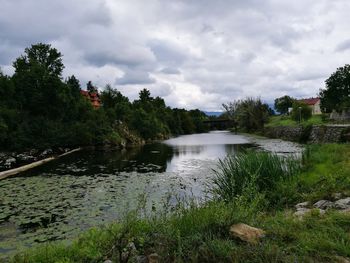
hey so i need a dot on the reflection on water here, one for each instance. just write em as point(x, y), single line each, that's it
point(88, 188)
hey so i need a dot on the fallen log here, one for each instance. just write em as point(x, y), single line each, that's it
point(26, 167)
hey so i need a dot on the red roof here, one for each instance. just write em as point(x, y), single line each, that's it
point(310, 101)
point(93, 97)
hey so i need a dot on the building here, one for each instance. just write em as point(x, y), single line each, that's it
point(93, 97)
point(314, 104)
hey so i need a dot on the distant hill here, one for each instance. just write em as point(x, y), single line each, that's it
point(213, 113)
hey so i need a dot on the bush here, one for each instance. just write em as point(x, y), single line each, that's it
point(301, 111)
point(258, 172)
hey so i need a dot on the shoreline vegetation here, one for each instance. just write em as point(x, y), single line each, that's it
point(42, 112)
point(201, 233)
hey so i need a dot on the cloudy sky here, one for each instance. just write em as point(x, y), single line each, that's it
point(193, 53)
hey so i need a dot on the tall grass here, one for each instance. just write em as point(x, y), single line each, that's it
point(251, 173)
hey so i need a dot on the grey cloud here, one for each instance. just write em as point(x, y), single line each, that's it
point(161, 90)
point(124, 56)
point(168, 53)
point(342, 46)
point(170, 71)
point(135, 78)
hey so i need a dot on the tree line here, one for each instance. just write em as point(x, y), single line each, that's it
point(39, 109)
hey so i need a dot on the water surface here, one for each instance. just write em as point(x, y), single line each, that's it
point(89, 188)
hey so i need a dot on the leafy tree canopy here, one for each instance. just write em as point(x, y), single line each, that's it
point(283, 103)
point(336, 95)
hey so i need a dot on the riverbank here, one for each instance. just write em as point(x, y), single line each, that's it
point(121, 138)
point(201, 233)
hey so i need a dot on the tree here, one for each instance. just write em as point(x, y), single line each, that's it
point(250, 114)
point(145, 95)
point(336, 95)
point(283, 103)
point(301, 111)
point(91, 88)
point(230, 109)
point(38, 82)
point(40, 57)
point(74, 85)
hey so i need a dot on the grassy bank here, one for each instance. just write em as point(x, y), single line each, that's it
point(201, 234)
point(280, 120)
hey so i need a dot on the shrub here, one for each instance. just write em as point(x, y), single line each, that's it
point(301, 111)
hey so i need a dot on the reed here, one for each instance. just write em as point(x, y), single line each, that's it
point(258, 172)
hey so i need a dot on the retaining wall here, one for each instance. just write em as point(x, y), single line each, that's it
point(310, 134)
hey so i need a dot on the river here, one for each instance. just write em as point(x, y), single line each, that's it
point(88, 188)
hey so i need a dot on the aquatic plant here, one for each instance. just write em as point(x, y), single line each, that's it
point(251, 173)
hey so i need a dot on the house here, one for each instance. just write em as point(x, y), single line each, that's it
point(93, 97)
point(314, 104)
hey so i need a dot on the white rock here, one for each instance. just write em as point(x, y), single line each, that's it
point(324, 204)
point(343, 203)
point(302, 205)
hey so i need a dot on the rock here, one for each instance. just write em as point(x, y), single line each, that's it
point(321, 211)
point(342, 259)
point(46, 153)
point(9, 162)
point(24, 157)
point(301, 212)
point(153, 258)
point(343, 203)
point(323, 204)
point(247, 233)
point(108, 261)
point(302, 205)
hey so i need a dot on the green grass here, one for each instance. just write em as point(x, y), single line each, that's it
point(276, 121)
point(201, 234)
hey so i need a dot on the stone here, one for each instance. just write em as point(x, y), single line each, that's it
point(343, 203)
point(108, 261)
point(301, 212)
point(302, 205)
point(321, 211)
point(342, 259)
point(247, 233)
point(9, 162)
point(46, 153)
point(23, 157)
point(153, 258)
point(324, 204)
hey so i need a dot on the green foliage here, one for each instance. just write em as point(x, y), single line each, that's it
point(257, 172)
point(251, 114)
point(283, 103)
point(336, 95)
point(301, 112)
point(38, 109)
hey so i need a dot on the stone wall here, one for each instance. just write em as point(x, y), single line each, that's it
point(310, 134)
